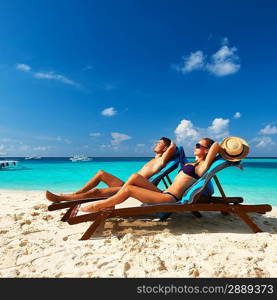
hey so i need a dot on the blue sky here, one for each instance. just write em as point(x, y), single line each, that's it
point(109, 78)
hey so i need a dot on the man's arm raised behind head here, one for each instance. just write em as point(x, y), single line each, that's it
point(168, 154)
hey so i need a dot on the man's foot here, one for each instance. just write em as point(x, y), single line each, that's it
point(53, 197)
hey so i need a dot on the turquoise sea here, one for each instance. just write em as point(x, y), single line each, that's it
point(257, 183)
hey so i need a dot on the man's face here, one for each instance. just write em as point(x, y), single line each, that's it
point(160, 147)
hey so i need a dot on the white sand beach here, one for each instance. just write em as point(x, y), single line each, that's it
point(35, 243)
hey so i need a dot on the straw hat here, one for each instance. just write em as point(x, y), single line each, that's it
point(234, 148)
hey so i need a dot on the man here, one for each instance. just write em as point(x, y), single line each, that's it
point(164, 150)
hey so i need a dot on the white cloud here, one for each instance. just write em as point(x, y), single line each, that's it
point(24, 148)
point(108, 112)
point(219, 128)
point(7, 148)
point(263, 142)
point(194, 61)
point(94, 134)
point(53, 76)
point(188, 133)
point(269, 130)
point(42, 148)
point(23, 67)
point(103, 146)
point(237, 115)
point(47, 75)
point(54, 139)
point(224, 62)
point(7, 140)
point(186, 130)
point(119, 137)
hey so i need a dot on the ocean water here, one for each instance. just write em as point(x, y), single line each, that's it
point(257, 183)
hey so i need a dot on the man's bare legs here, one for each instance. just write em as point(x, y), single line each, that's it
point(136, 186)
point(135, 179)
point(104, 192)
point(109, 179)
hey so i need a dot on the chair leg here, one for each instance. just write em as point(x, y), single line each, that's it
point(224, 213)
point(247, 219)
point(100, 220)
point(67, 214)
point(197, 214)
point(165, 217)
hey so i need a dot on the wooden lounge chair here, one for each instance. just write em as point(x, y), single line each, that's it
point(193, 200)
point(179, 157)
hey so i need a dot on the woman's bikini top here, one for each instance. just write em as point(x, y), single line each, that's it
point(190, 170)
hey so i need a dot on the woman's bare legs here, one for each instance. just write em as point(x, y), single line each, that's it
point(138, 180)
point(142, 194)
point(104, 192)
point(136, 186)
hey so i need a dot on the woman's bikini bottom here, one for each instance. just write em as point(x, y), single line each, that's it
point(175, 197)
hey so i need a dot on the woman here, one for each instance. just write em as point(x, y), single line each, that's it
point(138, 187)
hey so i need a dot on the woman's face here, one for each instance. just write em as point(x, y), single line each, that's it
point(201, 149)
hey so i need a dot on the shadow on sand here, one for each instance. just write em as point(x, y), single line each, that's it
point(187, 223)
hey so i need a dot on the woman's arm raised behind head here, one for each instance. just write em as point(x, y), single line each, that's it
point(210, 157)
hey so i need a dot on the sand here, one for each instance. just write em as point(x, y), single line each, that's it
point(35, 243)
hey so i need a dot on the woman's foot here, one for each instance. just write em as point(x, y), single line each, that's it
point(71, 194)
point(96, 207)
point(80, 191)
point(53, 197)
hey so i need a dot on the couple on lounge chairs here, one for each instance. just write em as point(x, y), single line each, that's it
point(139, 187)
point(164, 150)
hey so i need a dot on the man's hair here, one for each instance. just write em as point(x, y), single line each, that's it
point(166, 141)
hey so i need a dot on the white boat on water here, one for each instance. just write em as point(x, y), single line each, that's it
point(76, 158)
point(32, 157)
point(6, 164)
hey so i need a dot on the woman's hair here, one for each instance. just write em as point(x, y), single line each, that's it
point(209, 143)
